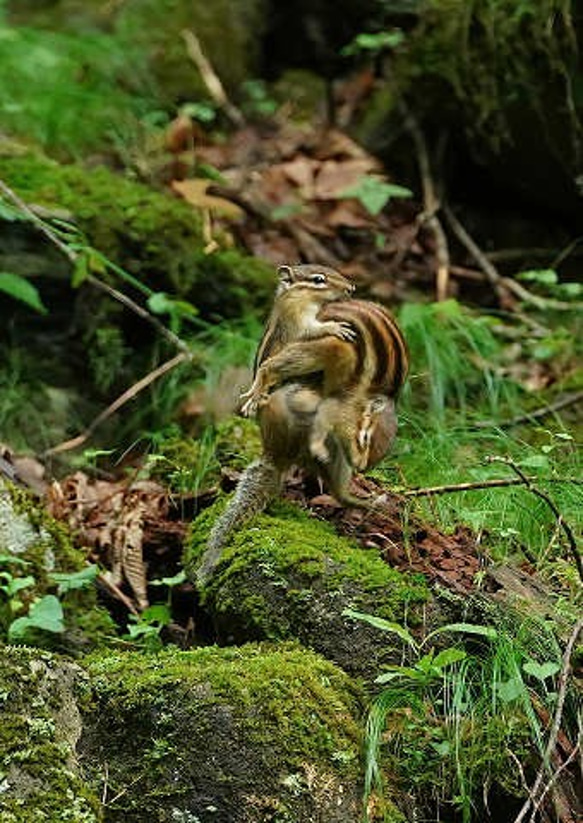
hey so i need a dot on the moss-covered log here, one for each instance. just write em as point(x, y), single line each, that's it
point(242, 735)
point(286, 575)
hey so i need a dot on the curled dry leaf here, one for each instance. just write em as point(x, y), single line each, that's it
point(112, 519)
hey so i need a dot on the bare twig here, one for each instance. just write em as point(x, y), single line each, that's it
point(129, 394)
point(537, 414)
point(431, 206)
point(501, 285)
point(73, 256)
point(537, 789)
point(117, 593)
point(210, 78)
point(553, 779)
point(483, 484)
point(551, 504)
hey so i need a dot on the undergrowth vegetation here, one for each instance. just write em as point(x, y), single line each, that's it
point(466, 723)
point(467, 400)
point(80, 89)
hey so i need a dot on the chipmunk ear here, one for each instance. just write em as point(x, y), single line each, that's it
point(378, 404)
point(285, 274)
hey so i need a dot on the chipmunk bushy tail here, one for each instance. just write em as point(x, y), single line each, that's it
point(258, 485)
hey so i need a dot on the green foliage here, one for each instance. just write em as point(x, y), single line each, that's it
point(446, 721)
point(460, 381)
point(457, 362)
point(374, 42)
point(81, 90)
point(21, 289)
point(374, 193)
point(144, 629)
point(22, 615)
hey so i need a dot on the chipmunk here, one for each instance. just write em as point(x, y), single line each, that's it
point(346, 397)
point(368, 373)
point(301, 292)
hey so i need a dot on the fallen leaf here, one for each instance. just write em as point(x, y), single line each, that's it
point(194, 191)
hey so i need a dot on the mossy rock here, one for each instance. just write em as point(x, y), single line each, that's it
point(33, 548)
point(152, 235)
point(287, 575)
point(39, 728)
point(258, 733)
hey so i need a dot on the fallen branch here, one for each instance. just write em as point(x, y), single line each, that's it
point(210, 78)
point(483, 484)
point(536, 792)
point(124, 398)
point(501, 285)
point(431, 206)
point(561, 403)
point(561, 522)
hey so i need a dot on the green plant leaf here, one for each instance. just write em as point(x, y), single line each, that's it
point(374, 42)
point(17, 584)
point(178, 578)
point(545, 277)
point(541, 670)
point(158, 613)
point(465, 628)
point(449, 656)
point(397, 672)
point(374, 193)
point(45, 614)
point(21, 289)
point(384, 625)
point(74, 580)
point(510, 690)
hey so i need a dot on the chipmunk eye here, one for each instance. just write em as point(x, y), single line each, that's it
point(319, 279)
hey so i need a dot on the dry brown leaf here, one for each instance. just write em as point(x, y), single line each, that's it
point(349, 213)
point(194, 191)
point(301, 171)
point(335, 177)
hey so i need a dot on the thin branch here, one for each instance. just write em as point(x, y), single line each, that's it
point(129, 394)
point(117, 593)
point(431, 206)
point(483, 484)
point(535, 793)
point(561, 403)
point(500, 284)
point(551, 504)
point(553, 779)
point(73, 256)
point(210, 78)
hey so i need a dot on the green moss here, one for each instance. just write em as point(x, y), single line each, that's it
point(230, 31)
point(289, 539)
point(501, 60)
point(253, 717)
point(237, 442)
point(154, 236)
point(39, 728)
point(288, 575)
point(45, 545)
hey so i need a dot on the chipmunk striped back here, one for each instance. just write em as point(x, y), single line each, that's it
point(382, 357)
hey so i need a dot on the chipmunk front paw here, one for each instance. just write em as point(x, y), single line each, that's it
point(253, 402)
point(342, 330)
